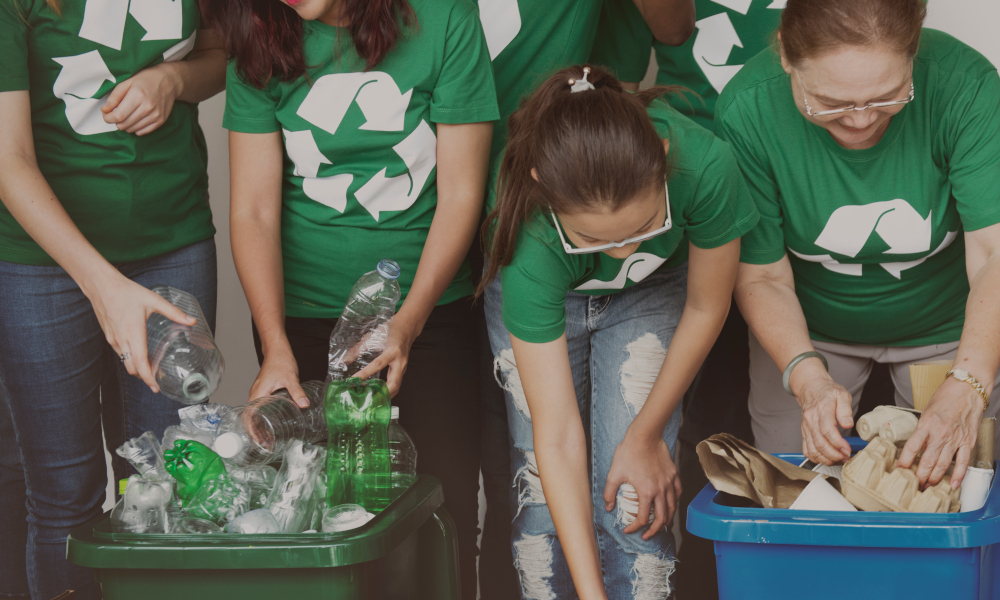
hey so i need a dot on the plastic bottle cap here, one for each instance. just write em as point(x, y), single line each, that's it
point(395, 413)
point(228, 445)
point(388, 269)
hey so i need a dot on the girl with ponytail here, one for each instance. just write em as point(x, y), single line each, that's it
point(360, 130)
point(613, 246)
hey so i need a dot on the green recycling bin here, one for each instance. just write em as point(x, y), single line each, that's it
point(406, 552)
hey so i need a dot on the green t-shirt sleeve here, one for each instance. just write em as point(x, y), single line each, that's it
point(624, 41)
point(722, 209)
point(975, 154)
point(249, 110)
point(13, 46)
point(765, 243)
point(465, 91)
point(534, 288)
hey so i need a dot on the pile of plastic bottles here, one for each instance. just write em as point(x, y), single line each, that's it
point(216, 471)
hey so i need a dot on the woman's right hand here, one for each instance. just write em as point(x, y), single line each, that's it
point(280, 370)
point(122, 307)
point(825, 405)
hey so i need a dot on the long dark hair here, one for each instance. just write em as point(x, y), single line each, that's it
point(264, 37)
point(591, 149)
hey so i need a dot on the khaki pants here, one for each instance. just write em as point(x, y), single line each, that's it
point(776, 415)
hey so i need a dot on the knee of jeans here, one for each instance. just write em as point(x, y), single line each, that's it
point(651, 574)
point(534, 559)
point(505, 371)
point(639, 371)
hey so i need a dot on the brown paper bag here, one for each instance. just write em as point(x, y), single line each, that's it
point(737, 468)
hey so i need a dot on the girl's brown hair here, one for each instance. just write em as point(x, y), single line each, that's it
point(592, 150)
point(810, 28)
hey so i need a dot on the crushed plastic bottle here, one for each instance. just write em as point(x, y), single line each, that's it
point(357, 469)
point(254, 521)
point(259, 481)
point(193, 465)
point(402, 456)
point(203, 418)
point(186, 362)
point(345, 517)
point(363, 327)
point(175, 433)
point(258, 432)
point(219, 500)
point(317, 504)
point(147, 507)
point(290, 500)
point(196, 526)
point(144, 454)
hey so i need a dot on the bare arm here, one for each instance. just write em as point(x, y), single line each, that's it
point(462, 165)
point(766, 297)
point(949, 426)
point(643, 458)
point(561, 453)
point(141, 104)
point(255, 163)
point(121, 305)
point(671, 21)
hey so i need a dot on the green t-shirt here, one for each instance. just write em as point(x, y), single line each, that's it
point(710, 206)
point(528, 41)
point(360, 177)
point(727, 34)
point(875, 237)
point(132, 197)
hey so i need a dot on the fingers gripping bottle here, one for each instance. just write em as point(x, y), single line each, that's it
point(402, 456)
point(362, 330)
point(357, 468)
point(185, 360)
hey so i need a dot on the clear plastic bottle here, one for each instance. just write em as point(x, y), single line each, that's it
point(258, 432)
point(402, 456)
point(185, 360)
point(291, 501)
point(363, 328)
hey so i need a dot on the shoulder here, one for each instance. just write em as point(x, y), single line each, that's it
point(948, 62)
point(760, 77)
point(446, 12)
point(691, 145)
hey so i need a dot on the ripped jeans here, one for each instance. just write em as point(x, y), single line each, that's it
point(617, 344)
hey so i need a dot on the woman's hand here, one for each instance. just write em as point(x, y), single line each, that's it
point(122, 307)
point(825, 405)
point(280, 370)
point(395, 355)
point(947, 429)
point(142, 103)
point(647, 466)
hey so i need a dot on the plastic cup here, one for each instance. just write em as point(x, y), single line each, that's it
point(975, 488)
point(820, 495)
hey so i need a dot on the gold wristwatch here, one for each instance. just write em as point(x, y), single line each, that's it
point(963, 375)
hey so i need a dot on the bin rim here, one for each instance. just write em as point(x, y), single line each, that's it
point(710, 520)
point(94, 545)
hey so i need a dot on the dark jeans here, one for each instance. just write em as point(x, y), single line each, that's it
point(439, 408)
point(60, 378)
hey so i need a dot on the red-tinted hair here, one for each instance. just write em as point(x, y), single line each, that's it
point(264, 37)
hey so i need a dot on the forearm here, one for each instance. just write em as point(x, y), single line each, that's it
point(671, 21)
point(199, 77)
point(979, 348)
point(256, 244)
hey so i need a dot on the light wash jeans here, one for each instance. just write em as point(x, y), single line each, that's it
point(617, 344)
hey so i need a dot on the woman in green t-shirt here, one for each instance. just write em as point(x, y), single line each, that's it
point(104, 193)
point(596, 318)
point(360, 130)
point(872, 149)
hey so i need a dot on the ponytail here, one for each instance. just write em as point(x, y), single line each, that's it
point(592, 149)
point(264, 37)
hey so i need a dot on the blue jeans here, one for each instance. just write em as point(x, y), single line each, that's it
point(617, 344)
point(60, 379)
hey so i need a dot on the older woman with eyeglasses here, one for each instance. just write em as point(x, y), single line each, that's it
point(872, 149)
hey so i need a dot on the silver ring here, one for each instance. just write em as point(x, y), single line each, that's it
point(125, 356)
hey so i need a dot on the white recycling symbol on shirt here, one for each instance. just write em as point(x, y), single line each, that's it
point(82, 76)
point(716, 38)
point(895, 221)
point(636, 267)
point(501, 20)
point(384, 107)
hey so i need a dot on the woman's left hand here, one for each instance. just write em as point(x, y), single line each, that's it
point(647, 466)
point(395, 356)
point(947, 430)
point(142, 103)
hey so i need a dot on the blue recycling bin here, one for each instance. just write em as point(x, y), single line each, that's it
point(780, 554)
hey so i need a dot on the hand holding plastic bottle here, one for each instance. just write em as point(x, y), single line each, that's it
point(279, 370)
point(396, 354)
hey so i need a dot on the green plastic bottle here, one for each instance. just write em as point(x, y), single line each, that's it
point(358, 466)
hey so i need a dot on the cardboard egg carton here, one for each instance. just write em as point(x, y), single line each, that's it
point(872, 481)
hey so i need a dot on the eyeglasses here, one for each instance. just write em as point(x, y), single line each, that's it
point(635, 240)
point(840, 111)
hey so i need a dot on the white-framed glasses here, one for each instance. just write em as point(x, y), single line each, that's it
point(667, 224)
point(840, 111)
